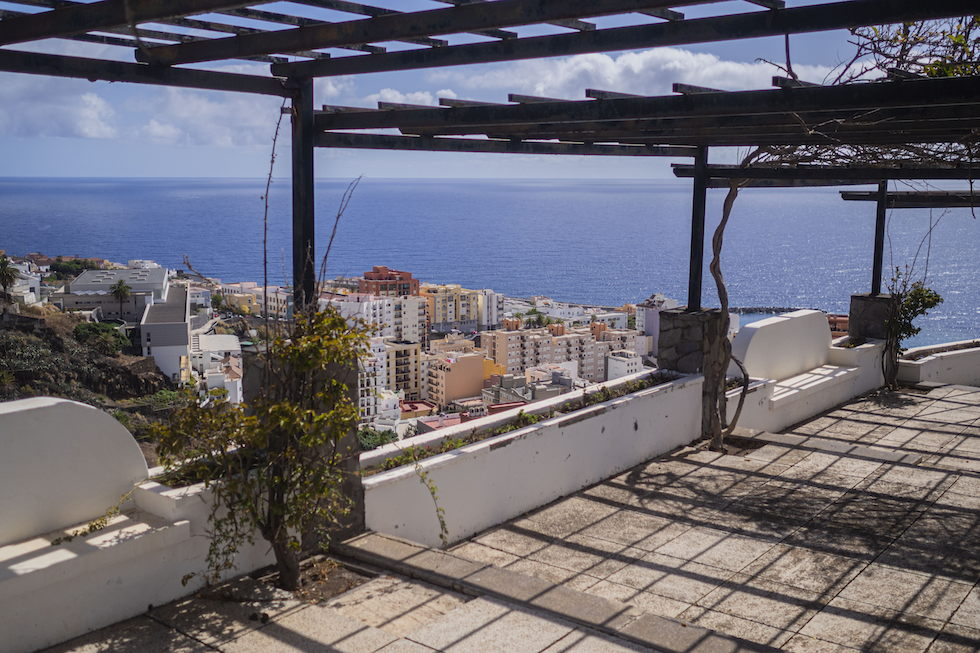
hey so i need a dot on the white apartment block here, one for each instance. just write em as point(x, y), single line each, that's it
point(399, 318)
point(621, 363)
point(587, 346)
point(372, 376)
point(648, 319)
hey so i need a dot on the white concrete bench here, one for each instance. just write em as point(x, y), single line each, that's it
point(62, 464)
point(791, 352)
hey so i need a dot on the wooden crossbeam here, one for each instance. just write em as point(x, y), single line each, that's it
point(531, 99)
point(596, 94)
point(796, 20)
point(453, 102)
point(73, 19)
point(917, 199)
point(789, 82)
point(393, 27)
point(13, 61)
point(828, 172)
point(690, 89)
point(385, 142)
point(933, 94)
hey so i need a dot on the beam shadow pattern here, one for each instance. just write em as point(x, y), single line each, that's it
point(793, 548)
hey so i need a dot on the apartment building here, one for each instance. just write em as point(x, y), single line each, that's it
point(165, 334)
point(451, 306)
point(648, 320)
point(93, 288)
point(400, 318)
point(388, 283)
point(404, 368)
point(455, 376)
point(518, 349)
point(622, 363)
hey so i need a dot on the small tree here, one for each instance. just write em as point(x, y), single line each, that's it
point(275, 466)
point(8, 274)
point(121, 291)
point(216, 300)
point(909, 299)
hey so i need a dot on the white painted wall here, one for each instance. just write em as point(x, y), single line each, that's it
point(960, 367)
point(488, 482)
point(63, 464)
point(783, 346)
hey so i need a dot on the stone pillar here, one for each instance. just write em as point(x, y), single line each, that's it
point(868, 315)
point(686, 336)
point(692, 343)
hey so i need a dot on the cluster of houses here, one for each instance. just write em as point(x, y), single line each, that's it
point(438, 353)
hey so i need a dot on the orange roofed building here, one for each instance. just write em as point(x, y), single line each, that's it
point(388, 283)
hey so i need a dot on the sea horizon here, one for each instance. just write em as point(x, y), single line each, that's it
point(601, 242)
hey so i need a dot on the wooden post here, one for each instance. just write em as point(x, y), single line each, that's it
point(879, 237)
point(304, 272)
point(697, 229)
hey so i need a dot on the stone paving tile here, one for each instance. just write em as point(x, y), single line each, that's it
point(405, 646)
point(774, 604)
point(968, 614)
point(572, 515)
point(807, 644)
point(862, 544)
point(674, 578)
point(646, 601)
point(959, 564)
point(911, 439)
point(871, 628)
point(583, 641)
point(229, 611)
point(558, 575)
point(396, 605)
point(491, 626)
point(137, 635)
point(486, 554)
point(313, 630)
point(779, 454)
point(514, 538)
point(619, 490)
point(736, 626)
point(589, 555)
point(968, 485)
point(789, 498)
point(823, 573)
point(715, 547)
point(637, 529)
point(817, 463)
point(956, 639)
point(906, 592)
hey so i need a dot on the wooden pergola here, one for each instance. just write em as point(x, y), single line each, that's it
point(347, 38)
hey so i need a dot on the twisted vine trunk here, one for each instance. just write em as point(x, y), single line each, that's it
point(716, 360)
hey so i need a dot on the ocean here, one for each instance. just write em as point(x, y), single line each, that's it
point(601, 242)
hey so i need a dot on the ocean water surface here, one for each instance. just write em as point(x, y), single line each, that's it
point(602, 242)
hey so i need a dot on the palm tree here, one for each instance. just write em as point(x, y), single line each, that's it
point(8, 274)
point(121, 291)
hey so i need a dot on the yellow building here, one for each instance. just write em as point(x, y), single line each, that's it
point(455, 376)
point(404, 368)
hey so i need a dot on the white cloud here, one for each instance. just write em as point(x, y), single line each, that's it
point(187, 117)
point(48, 107)
point(649, 72)
point(416, 97)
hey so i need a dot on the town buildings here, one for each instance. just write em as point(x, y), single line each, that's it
point(518, 349)
point(93, 289)
point(451, 307)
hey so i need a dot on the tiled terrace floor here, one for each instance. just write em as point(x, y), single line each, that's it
point(795, 548)
point(786, 546)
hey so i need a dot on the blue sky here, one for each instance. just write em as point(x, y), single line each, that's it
point(52, 127)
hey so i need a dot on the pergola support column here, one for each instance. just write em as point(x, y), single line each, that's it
point(304, 272)
point(879, 237)
point(697, 228)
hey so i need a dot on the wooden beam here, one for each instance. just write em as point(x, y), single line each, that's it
point(833, 16)
point(941, 94)
point(690, 89)
point(80, 18)
point(917, 199)
point(415, 143)
point(597, 94)
point(395, 27)
point(12, 61)
point(869, 174)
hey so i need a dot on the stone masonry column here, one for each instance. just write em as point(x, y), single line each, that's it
point(867, 316)
point(690, 343)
